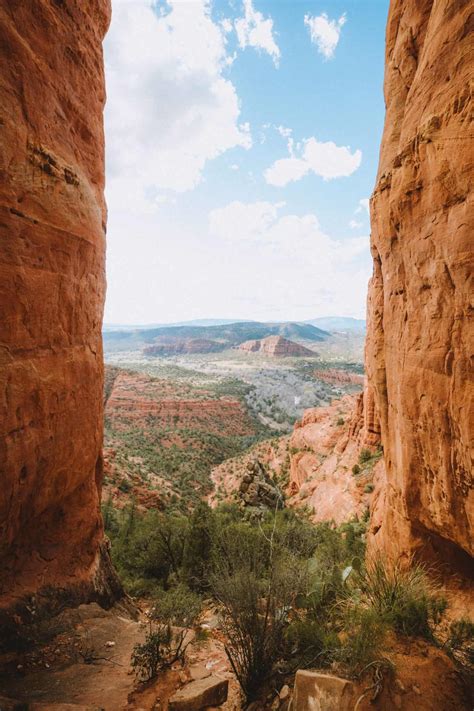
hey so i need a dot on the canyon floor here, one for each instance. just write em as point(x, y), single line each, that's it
point(169, 421)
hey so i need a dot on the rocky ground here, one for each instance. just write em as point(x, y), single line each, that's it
point(82, 663)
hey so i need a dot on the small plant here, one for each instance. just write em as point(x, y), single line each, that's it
point(177, 606)
point(405, 599)
point(356, 469)
point(149, 656)
point(340, 422)
point(368, 488)
point(365, 456)
point(460, 642)
point(362, 635)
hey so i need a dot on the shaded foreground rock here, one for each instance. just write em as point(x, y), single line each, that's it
point(52, 287)
point(199, 694)
point(321, 692)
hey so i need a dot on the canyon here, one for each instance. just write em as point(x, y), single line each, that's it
point(415, 416)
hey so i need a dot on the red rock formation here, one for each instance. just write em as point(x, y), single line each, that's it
point(137, 399)
point(52, 292)
point(324, 447)
point(339, 377)
point(420, 336)
point(276, 346)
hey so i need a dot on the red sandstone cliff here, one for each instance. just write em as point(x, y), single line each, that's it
point(52, 288)
point(420, 334)
point(276, 346)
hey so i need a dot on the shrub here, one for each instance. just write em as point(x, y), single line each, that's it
point(178, 606)
point(368, 488)
point(405, 599)
point(340, 421)
point(163, 646)
point(364, 456)
point(461, 641)
point(255, 616)
point(356, 469)
point(362, 637)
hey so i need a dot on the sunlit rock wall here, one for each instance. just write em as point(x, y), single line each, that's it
point(52, 286)
point(420, 333)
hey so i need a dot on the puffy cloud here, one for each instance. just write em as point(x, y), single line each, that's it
point(324, 159)
point(253, 30)
point(354, 224)
point(363, 206)
point(170, 108)
point(326, 274)
point(325, 33)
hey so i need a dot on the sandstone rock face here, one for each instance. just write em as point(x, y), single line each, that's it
point(200, 694)
point(277, 346)
point(321, 692)
point(420, 330)
point(52, 288)
point(324, 448)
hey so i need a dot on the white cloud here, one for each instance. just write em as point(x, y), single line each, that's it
point(354, 224)
point(363, 205)
point(324, 159)
point(243, 221)
point(169, 109)
point(284, 131)
point(306, 265)
point(325, 33)
point(255, 31)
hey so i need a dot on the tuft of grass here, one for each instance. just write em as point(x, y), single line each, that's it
point(406, 599)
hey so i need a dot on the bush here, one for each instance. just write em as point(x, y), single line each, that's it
point(178, 606)
point(255, 615)
point(340, 421)
point(163, 646)
point(405, 599)
point(368, 488)
point(362, 634)
point(365, 456)
point(461, 641)
point(356, 469)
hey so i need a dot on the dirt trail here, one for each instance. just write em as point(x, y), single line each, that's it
point(87, 663)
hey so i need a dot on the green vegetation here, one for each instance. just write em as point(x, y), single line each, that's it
point(291, 594)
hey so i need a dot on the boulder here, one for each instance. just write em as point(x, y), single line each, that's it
point(321, 692)
point(199, 694)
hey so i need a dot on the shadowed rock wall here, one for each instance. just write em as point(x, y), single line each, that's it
point(420, 331)
point(52, 287)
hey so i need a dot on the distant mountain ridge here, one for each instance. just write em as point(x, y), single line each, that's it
point(339, 323)
point(227, 334)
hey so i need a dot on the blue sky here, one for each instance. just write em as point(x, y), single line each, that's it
point(242, 144)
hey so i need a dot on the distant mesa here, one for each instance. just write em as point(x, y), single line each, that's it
point(276, 346)
point(170, 340)
point(176, 346)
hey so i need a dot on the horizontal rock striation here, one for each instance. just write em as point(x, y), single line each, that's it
point(276, 346)
point(52, 286)
point(420, 332)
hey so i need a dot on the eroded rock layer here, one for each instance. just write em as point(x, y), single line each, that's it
point(420, 333)
point(52, 285)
